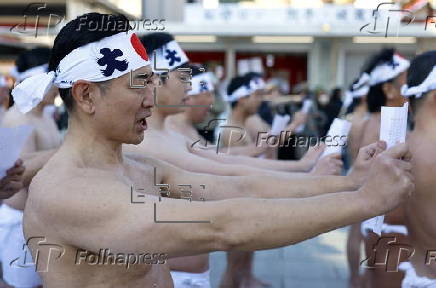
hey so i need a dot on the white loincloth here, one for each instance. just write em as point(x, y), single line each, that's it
point(386, 228)
point(191, 280)
point(11, 247)
point(411, 280)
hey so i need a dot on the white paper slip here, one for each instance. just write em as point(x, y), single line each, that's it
point(307, 104)
point(279, 124)
point(338, 133)
point(393, 129)
point(12, 141)
point(393, 125)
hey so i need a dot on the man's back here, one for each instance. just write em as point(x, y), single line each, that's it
point(420, 209)
point(69, 189)
point(45, 134)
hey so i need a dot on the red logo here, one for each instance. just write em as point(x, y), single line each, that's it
point(139, 48)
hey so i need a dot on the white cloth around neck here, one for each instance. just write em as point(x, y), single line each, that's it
point(106, 59)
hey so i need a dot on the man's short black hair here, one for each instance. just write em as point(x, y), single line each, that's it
point(196, 69)
point(82, 31)
point(31, 58)
point(376, 98)
point(240, 81)
point(419, 69)
point(154, 41)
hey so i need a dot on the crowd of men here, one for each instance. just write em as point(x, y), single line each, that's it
point(134, 196)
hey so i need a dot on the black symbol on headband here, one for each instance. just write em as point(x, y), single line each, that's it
point(394, 64)
point(109, 59)
point(172, 57)
point(203, 87)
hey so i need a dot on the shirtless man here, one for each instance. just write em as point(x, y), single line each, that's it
point(385, 73)
point(45, 136)
point(192, 271)
point(245, 94)
point(176, 148)
point(200, 97)
point(420, 212)
point(93, 208)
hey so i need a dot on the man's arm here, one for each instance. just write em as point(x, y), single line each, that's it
point(303, 165)
point(211, 187)
point(33, 163)
point(234, 224)
point(195, 163)
point(267, 186)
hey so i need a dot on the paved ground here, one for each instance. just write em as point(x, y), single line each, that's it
point(316, 263)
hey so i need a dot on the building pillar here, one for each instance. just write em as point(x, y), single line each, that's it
point(320, 64)
point(230, 63)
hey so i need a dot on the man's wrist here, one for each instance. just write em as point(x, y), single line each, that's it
point(368, 204)
point(303, 165)
point(351, 182)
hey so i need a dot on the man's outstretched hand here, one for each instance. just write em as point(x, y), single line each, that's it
point(12, 182)
point(390, 180)
point(364, 161)
point(328, 165)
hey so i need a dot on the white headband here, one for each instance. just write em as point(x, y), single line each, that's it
point(244, 90)
point(109, 58)
point(201, 83)
point(20, 76)
point(427, 85)
point(363, 81)
point(388, 70)
point(168, 57)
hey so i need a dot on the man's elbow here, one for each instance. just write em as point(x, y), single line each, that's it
point(227, 229)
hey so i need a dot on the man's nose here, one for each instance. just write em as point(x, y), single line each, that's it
point(148, 100)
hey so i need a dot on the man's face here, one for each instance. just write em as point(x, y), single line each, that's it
point(199, 114)
point(120, 110)
point(4, 96)
point(393, 90)
point(173, 92)
point(253, 101)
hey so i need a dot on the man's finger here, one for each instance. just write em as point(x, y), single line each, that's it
point(398, 151)
point(15, 171)
point(404, 165)
point(13, 186)
point(19, 162)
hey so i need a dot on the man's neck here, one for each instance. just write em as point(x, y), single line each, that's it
point(38, 110)
point(90, 148)
point(239, 116)
point(425, 122)
point(156, 121)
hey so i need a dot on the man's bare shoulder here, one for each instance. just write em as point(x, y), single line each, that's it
point(13, 118)
point(423, 161)
point(61, 181)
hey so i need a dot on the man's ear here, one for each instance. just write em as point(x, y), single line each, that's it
point(388, 89)
point(83, 93)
